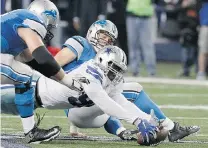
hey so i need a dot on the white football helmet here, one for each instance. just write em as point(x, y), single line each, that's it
point(102, 26)
point(112, 60)
point(48, 13)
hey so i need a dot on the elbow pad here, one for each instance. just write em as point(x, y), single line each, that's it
point(48, 65)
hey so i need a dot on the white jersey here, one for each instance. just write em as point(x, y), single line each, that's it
point(97, 90)
point(104, 94)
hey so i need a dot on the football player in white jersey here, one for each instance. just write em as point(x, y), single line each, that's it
point(77, 50)
point(101, 79)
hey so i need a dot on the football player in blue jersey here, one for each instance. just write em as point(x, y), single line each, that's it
point(76, 50)
point(23, 31)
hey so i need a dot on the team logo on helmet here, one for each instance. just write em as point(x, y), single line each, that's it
point(108, 50)
point(52, 13)
point(101, 22)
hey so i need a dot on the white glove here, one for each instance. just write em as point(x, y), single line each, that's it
point(72, 83)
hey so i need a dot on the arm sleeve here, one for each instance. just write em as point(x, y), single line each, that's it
point(132, 108)
point(75, 46)
point(99, 96)
point(37, 27)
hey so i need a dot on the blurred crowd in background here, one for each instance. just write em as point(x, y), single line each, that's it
point(149, 30)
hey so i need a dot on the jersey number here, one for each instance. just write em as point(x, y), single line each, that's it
point(82, 101)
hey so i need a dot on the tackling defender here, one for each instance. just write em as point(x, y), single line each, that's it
point(22, 32)
point(77, 50)
point(101, 80)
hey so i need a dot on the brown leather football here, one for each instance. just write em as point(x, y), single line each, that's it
point(162, 134)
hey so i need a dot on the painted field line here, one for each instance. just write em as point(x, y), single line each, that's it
point(189, 118)
point(9, 129)
point(201, 135)
point(166, 81)
point(179, 95)
point(64, 117)
point(185, 107)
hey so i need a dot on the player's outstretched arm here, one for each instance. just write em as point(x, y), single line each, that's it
point(99, 96)
point(65, 56)
point(120, 99)
point(72, 49)
point(42, 56)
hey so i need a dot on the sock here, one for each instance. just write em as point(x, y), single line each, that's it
point(28, 123)
point(168, 124)
point(144, 103)
point(73, 128)
point(113, 126)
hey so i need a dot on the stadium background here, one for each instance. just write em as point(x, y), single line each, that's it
point(182, 98)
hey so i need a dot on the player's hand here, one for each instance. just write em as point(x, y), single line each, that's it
point(148, 133)
point(72, 83)
point(76, 85)
point(78, 81)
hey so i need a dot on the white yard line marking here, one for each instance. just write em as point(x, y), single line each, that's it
point(189, 118)
point(166, 81)
point(8, 129)
point(64, 117)
point(201, 135)
point(179, 95)
point(185, 107)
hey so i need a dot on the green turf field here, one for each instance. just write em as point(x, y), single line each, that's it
point(160, 93)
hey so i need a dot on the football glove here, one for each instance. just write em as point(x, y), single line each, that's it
point(148, 133)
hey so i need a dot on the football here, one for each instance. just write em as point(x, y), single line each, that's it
point(161, 135)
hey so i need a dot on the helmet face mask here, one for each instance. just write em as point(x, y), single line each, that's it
point(112, 60)
point(114, 73)
point(49, 35)
point(102, 33)
point(102, 39)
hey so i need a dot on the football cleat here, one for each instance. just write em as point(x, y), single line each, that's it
point(178, 132)
point(37, 135)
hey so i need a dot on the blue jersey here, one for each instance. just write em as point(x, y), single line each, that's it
point(82, 49)
point(11, 43)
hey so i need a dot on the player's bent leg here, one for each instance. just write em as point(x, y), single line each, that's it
point(93, 117)
point(87, 117)
point(8, 106)
point(133, 92)
point(19, 74)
